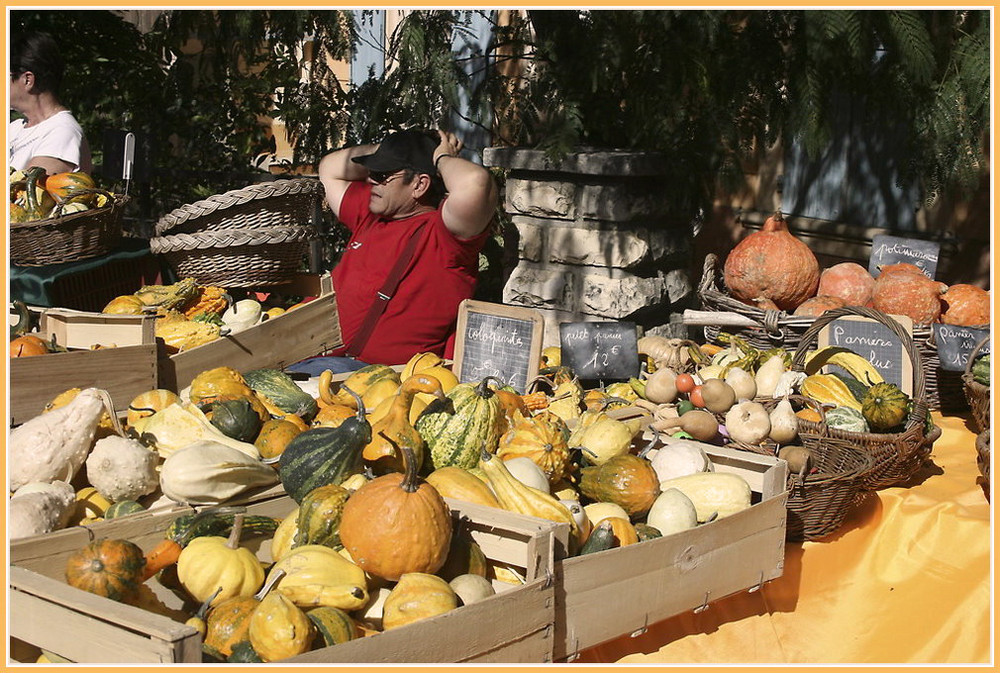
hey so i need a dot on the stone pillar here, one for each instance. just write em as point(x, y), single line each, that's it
point(596, 240)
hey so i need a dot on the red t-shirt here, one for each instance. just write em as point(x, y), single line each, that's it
point(421, 315)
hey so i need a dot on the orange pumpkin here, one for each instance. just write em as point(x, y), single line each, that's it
point(394, 525)
point(816, 306)
point(542, 438)
point(28, 345)
point(109, 568)
point(63, 187)
point(848, 281)
point(903, 292)
point(228, 623)
point(772, 263)
point(966, 305)
point(274, 436)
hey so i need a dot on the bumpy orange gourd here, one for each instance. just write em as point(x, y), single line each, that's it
point(542, 439)
point(394, 525)
point(966, 305)
point(849, 281)
point(772, 263)
point(901, 292)
point(109, 568)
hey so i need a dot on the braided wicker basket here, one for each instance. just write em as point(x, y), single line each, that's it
point(279, 203)
point(896, 457)
point(777, 328)
point(68, 238)
point(237, 257)
point(983, 460)
point(976, 393)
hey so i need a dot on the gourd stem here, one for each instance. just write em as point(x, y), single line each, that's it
point(483, 389)
point(409, 482)
point(652, 442)
point(203, 608)
point(357, 398)
point(276, 575)
point(234, 536)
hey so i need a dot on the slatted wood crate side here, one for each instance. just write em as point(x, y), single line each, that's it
point(292, 336)
point(124, 372)
point(523, 615)
point(84, 329)
point(609, 594)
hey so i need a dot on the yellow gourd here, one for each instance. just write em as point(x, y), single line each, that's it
point(279, 629)
point(395, 430)
point(210, 562)
point(316, 575)
point(417, 596)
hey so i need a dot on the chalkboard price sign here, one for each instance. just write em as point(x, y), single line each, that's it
point(888, 250)
point(498, 340)
point(876, 343)
point(600, 350)
point(955, 344)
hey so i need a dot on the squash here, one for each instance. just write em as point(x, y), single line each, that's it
point(284, 536)
point(179, 425)
point(332, 415)
point(527, 472)
point(53, 446)
point(109, 568)
point(126, 304)
point(471, 588)
point(394, 525)
point(465, 557)
point(604, 437)
point(623, 531)
point(183, 335)
point(319, 516)
point(227, 624)
point(122, 469)
point(848, 281)
point(542, 438)
point(459, 484)
point(885, 407)
point(355, 385)
point(123, 508)
point(965, 304)
point(314, 575)
point(70, 187)
point(829, 389)
point(210, 301)
point(279, 629)
point(599, 511)
point(679, 457)
point(516, 497)
point(645, 532)
point(274, 437)
point(242, 315)
point(774, 264)
point(323, 455)
point(148, 403)
point(280, 389)
point(40, 507)
point(672, 511)
point(848, 419)
point(417, 596)
point(818, 305)
point(394, 429)
point(89, 502)
point(626, 480)
point(332, 626)
point(27, 346)
point(456, 438)
point(719, 493)
point(210, 562)
point(234, 418)
point(911, 294)
point(218, 382)
point(244, 653)
point(207, 472)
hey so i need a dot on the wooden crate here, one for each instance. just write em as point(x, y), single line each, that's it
point(515, 626)
point(622, 591)
point(307, 331)
point(125, 370)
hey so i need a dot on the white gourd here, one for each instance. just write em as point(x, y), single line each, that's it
point(768, 375)
point(672, 512)
point(37, 512)
point(471, 588)
point(720, 493)
point(742, 383)
point(528, 473)
point(178, 425)
point(788, 384)
point(208, 473)
point(64, 494)
point(122, 469)
point(53, 446)
point(784, 423)
point(242, 315)
point(678, 458)
point(748, 422)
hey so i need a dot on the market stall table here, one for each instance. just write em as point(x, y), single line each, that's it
point(907, 579)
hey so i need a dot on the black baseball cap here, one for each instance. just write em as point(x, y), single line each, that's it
point(411, 149)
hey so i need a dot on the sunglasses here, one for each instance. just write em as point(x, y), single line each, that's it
point(384, 177)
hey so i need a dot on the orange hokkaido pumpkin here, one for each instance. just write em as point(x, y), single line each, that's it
point(966, 305)
point(772, 263)
point(394, 525)
point(849, 281)
point(901, 292)
point(816, 306)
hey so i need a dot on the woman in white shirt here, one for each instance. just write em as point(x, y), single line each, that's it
point(48, 136)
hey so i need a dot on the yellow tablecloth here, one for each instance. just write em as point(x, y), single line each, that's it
point(907, 579)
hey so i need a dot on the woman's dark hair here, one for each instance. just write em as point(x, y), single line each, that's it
point(39, 54)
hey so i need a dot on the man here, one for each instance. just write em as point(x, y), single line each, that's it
point(416, 210)
point(48, 135)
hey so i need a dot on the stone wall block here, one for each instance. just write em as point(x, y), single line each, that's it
point(620, 202)
point(541, 199)
point(540, 287)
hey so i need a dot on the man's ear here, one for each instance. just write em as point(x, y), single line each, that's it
point(421, 184)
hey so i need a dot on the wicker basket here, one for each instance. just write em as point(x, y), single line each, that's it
point(896, 457)
point(236, 257)
point(983, 460)
point(279, 203)
point(976, 393)
point(943, 389)
point(820, 500)
point(68, 238)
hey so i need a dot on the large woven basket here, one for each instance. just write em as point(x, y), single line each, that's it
point(943, 389)
point(68, 238)
point(237, 257)
point(896, 457)
point(976, 393)
point(279, 203)
point(983, 460)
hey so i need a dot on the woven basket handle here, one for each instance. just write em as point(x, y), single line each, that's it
point(707, 281)
point(975, 353)
point(918, 414)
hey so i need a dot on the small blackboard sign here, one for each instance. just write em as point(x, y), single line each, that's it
point(888, 250)
point(955, 344)
point(498, 340)
point(876, 343)
point(603, 351)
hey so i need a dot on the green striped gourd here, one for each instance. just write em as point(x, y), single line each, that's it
point(282, 390)
point(458, 438)
point(333, 626)
point(319, 516)
point(123, 508)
